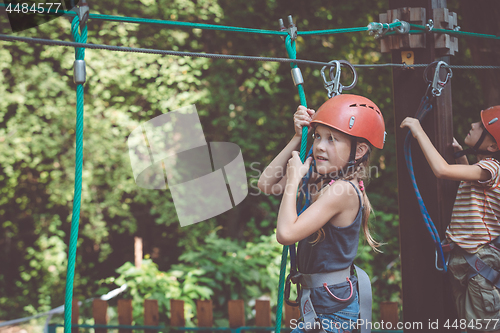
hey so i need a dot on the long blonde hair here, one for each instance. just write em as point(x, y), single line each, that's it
point(361, 172)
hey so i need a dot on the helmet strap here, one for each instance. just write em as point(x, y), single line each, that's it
point(474, 150)
point(351, 164)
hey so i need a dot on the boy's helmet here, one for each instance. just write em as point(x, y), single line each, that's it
point(356, 116)
point(491, 121)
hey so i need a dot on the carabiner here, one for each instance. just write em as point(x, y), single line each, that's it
point(445, 261)
point(288, 285)
point(334, 87)
point(436, 83)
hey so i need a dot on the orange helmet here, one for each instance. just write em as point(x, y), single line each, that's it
point(491, 121)
point(356, 116)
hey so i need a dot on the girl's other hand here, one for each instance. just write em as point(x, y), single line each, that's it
point(413, 125)
point(302, 118)
point(295, 169)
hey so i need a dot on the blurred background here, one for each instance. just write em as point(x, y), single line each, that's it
point(234, 255)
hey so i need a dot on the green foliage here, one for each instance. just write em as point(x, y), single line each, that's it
point(218, 269)
point(247, 103)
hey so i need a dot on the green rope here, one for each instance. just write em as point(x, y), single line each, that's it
point(205, 26)
point(127, 19)
point(70, 275)
point(331, 31)
point(452, 32)
point(292, 53)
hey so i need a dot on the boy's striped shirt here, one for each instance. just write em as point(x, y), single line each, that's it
point(476, 214)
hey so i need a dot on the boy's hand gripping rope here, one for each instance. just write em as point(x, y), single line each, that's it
point(434, 87)
point(79, 78)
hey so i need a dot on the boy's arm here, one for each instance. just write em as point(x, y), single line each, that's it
point(273, 179)
point(438, 164)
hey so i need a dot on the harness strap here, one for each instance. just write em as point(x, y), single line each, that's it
point(365, 299)
point(316, 280)
point(478, 266)
point(309, 281)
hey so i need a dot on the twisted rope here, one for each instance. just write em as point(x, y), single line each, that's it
point(75, 219)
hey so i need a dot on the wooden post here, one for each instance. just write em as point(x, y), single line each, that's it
point(426, 294)
point(75, 315)
point(236, 313)
point(138, 251)
point(262, 313)
point(100, 314)
point(389, 313)
point(177, 313)
point(292, 315)
point(204, 314)
point(124, 314)
point(151, 317)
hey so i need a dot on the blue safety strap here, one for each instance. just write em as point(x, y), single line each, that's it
point(424, 108)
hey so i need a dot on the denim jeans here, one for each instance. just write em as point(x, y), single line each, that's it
point(343, 321)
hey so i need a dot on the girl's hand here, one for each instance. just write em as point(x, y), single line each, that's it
point(295, 169)
point(413, 125)
point(302, 118)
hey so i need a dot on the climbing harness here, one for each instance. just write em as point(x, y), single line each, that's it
point(478, 266)
point(433, 90)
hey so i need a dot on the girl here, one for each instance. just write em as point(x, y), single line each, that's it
point(344, 130)
point(475, 222)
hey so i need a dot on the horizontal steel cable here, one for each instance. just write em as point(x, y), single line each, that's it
point(210, 55)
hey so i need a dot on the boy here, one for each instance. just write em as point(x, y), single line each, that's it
point(475, 222)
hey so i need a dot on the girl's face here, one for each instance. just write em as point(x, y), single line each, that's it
point(331, 149)
point(474, 135)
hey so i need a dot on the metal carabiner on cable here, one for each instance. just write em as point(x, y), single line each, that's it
point(334, 87)
point(436, 83)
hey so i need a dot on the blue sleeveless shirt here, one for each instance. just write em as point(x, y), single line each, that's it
point(335, 252)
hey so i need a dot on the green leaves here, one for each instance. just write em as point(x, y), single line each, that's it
point(218, 269)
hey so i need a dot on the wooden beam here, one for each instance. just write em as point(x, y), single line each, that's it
point(292, 314)
point(151, 315)
point(204, 313)
point(426, 296)
point(124, 314)
point(236, 313)
point(75, 315)
point(262, 313)
point(177, 313)
point(389, 313)
point(138, 252)
point(100, 314)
